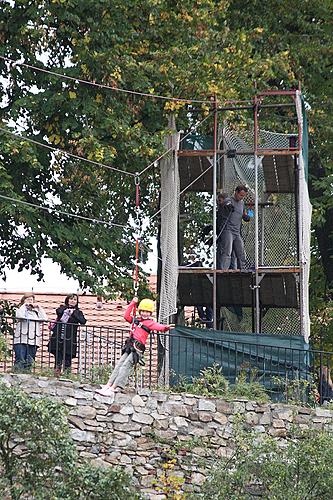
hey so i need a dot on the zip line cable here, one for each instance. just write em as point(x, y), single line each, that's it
point(61, 212)
point(117, 89)
point(103, 86)
point(66, 153)
point(99, 164)
point(52, 148)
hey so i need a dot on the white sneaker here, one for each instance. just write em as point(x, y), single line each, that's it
point(107, 391)
point(105, 386)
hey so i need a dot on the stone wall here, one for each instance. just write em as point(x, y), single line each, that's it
point(151, 433)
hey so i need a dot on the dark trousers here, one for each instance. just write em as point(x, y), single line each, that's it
point(24, 356)
point(206, 315)
point(62, 359)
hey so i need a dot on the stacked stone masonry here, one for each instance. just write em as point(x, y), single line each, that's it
point(142, 432)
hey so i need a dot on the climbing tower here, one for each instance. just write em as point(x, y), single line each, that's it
point(268, 152)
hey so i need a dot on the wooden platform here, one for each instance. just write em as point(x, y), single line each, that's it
point(235, 288)
point(279, 173)
point(190, 168)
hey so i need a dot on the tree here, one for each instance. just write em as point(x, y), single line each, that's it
point(38, 458)
point(182, 49)
point(263, 468)
point(169, 48)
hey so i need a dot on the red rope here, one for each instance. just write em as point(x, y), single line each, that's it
point(137, 222)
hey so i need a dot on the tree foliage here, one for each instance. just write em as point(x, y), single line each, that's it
point(183, 49)
point(263, 468)
point(38, 459)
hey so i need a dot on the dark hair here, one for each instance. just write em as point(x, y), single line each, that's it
point(241, 187)
point(71, 296)
point(222, 195)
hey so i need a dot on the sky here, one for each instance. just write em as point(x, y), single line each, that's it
point(54, 281)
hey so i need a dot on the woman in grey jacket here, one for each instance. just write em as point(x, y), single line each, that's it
point(28, 331)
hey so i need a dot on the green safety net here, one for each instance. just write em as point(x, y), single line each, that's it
point(198, 141)
point(271, 356)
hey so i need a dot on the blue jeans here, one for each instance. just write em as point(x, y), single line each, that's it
point(24, 356)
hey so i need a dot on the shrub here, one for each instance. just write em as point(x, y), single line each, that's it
point(248, 387)
point(297, 390)
point(301, 469)
point(96, 483)
point(38, 459)
point(211, 382)
point(33, 441)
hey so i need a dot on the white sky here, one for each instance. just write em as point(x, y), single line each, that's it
point(54, 280)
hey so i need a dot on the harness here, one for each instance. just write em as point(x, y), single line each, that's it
point(140, 325)
point(135, 346)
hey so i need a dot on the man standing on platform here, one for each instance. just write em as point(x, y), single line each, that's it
point(229, 219)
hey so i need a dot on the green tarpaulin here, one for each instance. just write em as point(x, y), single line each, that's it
point(271, 356)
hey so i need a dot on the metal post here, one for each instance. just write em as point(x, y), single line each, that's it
point(256, 214)
point(262, 243)
point(214, 213)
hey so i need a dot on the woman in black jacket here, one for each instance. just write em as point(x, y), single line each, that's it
point(63, 341)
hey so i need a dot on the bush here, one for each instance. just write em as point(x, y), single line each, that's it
point(210, 383)
point(302, 469)
point(38, 459)
point(248, 387)
point(96, 483)
point(33, 442)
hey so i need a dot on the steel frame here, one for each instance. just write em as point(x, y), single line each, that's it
point(257, 152)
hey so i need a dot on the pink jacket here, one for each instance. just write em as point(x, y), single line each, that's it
point(139, 333)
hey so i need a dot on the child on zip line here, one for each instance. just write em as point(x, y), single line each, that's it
point(133, 350)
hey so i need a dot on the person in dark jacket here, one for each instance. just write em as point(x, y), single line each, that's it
point(229, 220)
point(325, 386)
point(63, 341)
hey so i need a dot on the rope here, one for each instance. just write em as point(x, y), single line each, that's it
point(181, 192)
point(102, 86)
point(52, 148)
point(41, 207)
point(137, 223)
point(172, 148)
point(65, 152)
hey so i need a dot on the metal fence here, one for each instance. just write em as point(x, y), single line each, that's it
point(284, 372)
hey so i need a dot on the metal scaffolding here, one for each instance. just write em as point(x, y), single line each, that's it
point(273, 165)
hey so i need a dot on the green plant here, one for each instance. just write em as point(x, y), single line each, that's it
point(297, 391)
point(100, 374)
point(38, 459)
point(301, 469)
point(34, 442)
point(211, 382)
point(248, 386)
point(167, 481)
point(7, 311)
point(4, 349)
point(96, 483)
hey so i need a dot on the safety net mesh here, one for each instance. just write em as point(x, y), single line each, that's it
point(169, 230)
